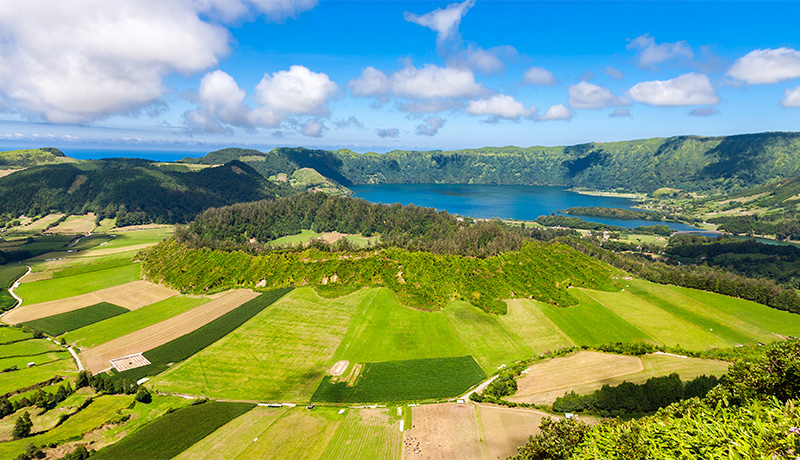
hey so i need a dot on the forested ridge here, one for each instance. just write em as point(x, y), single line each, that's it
point(133, 191)
point(692, 163)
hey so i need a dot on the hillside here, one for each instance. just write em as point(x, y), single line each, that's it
point(691, 163)
point(13, 159)
point(135, 191)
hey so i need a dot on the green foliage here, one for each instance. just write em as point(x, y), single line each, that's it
point(185, 346)
point(556, 440)
point(410, 380)
point(615, 213)
point(173, 433)
point(71, 320)
point(143, 396)
point(776, 374)
point(134, 191)
point(428, 281)
point(22, 427)
point(31, 157)
point(554, 220)
point(80, 453)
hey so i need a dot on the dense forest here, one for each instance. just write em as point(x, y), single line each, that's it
point(134, 191)
point(690, 163)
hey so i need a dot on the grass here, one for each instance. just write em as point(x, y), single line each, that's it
point(25, 377)
point(7, 301)
point(70, 286)
point(109, 329)
point(173, 433)
point(230, 440)
point(365, 434)
point(76, 224)
point(98, 412)
point(22, 361)
point(187, 345)
point(27, 348)
point(295, 240)
point(91, 267)
point(10, 273)
point(408, 380)
point(76, 319)
point(12, 334)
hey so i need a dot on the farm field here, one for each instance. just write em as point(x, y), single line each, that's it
point(112, 328)
point(131, 296)
point(11, 334)
point(39, 224)
point(295, 240)
point(442, 432)
point(42, 358)
point(69, 286)
point(42, 422)
point(587, 371)
point(25, 377)
point(97, 358)
point(28, 347)
point(173, 433)
point(75, 224)
point(75, 319)
point(503, 429)
point(365, 434)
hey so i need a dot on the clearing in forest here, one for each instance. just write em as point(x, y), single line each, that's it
point(76, 224)
point(99, 358)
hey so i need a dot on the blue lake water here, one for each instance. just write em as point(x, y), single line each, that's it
point(155, 155)
point(520, 202)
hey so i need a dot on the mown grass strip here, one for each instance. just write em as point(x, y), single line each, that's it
point(83, 283)
point(76, 319)
point(175, 432)
point(189, 344)
point(409, 380)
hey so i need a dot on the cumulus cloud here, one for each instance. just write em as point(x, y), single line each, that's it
point(499, 107)
point(767, 66)
point(539, 76)
point(388, 132)
point(313, 128)
point(274, 10)
point(443, 21)
point(614, 73)
point(791, 98)
point(430, 127)
point(704, 112)
point(556, 112)
point(652, 53)
point(430, 81)
point(587, 95)
point(220, 100)
point(350, 121)
point(79, 61)
point(687, 89)
point(620, 113)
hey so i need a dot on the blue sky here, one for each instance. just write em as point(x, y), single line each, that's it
point(379, 75)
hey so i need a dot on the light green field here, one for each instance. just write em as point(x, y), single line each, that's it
point(229, 441)
point(69, 286)
point(75, 225)
point(98, 412)
point(283, 439)
point(10, 334)
point(295, 240)
point(109, 329)
point(105, 225)
point(361, 241)
point(42, 422)
point(28, 347)
point(22, 361)
point(38, 225)
point(366, 434)
point(10, 381)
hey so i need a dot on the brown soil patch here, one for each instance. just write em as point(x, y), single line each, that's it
point(504, 429)
point(339, 368)
point(331, 237)
point(442, 432)
point(99, 358)
point(548, 380)
point(129, 362)
point(5, 172)
point(83, 224)
point(133, 295)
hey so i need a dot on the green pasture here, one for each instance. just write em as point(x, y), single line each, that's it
point(366, 435)
point(25, 377)
point(7, 301)
point(69, 286)
point(12, 334)
point(109, 329)
point(68, 321)
point(173, 433)
point(10, 273)
point(27, 348)
point(295, 240)
point(42, 358)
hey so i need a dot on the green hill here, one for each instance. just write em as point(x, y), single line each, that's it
point(692, 163)
point(24, 158)
point(135, 191)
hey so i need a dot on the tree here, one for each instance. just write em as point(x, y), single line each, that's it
point(83, 379)
point(557, 440)
point(22, 427)
point(143, 396)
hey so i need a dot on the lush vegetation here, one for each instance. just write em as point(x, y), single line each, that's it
point(685, 162)
point(189, 344)
point(173, 433)
point(71, 320)
point(32, 157)
point(133, 191)
point(630, 398)
point(410, 380)
point(614, 213)
point(555, 220)
point(751, 414)
point(81, 283)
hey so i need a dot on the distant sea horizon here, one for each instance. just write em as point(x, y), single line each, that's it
point(164, 155)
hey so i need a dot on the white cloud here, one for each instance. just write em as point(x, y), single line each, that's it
point(350, 121)
point(313, 128)
point(79, 61)
point(443, 21)
point(557, 112)
point(486, 61)
point(687, 89)
point(791, 98)
point(388, 132)
point(704, 112)
point(614, 73)
point(652, 53)
point(275, 10)
point(587, 95)
point(434, 85)
point(767, 66)
point(539, 76)
point(620, 113)
point(499, 106)
point(430, 126)
point(297, 91)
